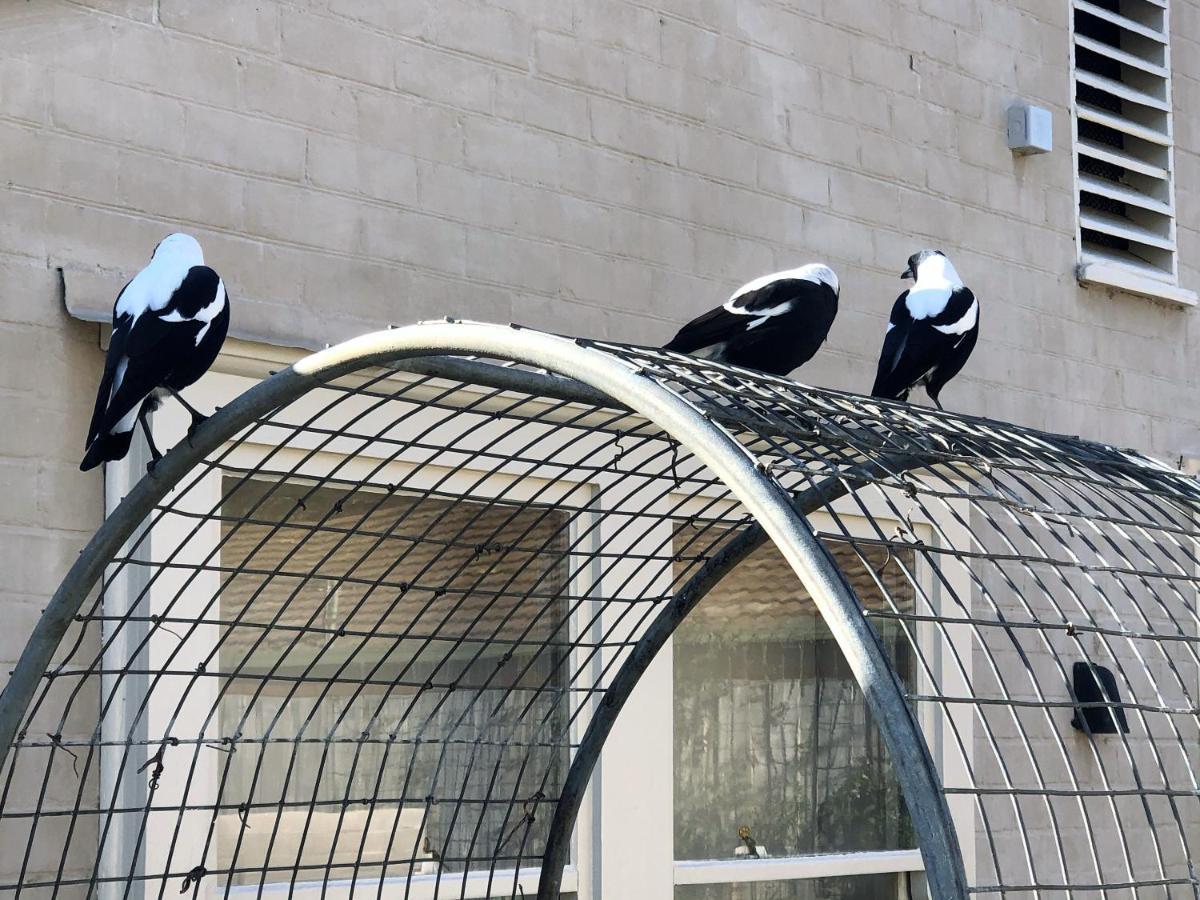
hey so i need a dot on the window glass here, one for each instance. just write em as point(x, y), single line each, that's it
point(771, 730)
point(858, 887)
point(350, 664)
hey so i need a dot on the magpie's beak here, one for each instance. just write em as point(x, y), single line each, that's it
point(907, 273)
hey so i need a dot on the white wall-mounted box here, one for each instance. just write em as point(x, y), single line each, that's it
point(1030, 129)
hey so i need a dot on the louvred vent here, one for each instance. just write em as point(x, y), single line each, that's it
point(1123, 142)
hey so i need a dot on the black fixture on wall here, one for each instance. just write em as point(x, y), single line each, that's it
point(1097, 684)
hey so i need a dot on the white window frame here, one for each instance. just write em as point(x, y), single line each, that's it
point(623, 844)
point(1095, 266)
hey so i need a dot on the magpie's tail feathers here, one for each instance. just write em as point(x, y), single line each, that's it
point(884, 391)
point(106, 448)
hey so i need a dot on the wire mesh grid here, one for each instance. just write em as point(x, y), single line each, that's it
point(359, 645)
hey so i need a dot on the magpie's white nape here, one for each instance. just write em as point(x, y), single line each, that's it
point(774, 324)
point(169, 323)
point(931, 332)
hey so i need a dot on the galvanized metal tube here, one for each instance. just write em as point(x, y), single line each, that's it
point(723, 561)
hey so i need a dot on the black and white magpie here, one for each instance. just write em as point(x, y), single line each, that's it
point(774, 323)
point(931, 332)
point(169, 323)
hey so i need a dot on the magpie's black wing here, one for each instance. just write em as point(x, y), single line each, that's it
point(953, 360)
point(774, 293)
point(761, 306)
point(956, 307)
point(894, 344)
point(714, 327)
point(116, 350)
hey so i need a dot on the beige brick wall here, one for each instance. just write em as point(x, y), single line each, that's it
point(603, 167)
point(608, 167)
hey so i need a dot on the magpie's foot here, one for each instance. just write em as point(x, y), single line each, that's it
point(152, 465)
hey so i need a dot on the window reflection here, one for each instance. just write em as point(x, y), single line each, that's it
point(771, 730)
point(858, 887)
point(351, 663)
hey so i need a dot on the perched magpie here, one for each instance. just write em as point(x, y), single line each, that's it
point(773, 324)
point(932, 330)
point(168, 325)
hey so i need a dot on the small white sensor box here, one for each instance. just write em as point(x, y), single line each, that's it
point(1030, 129)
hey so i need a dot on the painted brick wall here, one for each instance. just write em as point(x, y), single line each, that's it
point(602, 167)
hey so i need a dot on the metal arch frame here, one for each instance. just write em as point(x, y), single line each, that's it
point(724, 560)
point(616, 380)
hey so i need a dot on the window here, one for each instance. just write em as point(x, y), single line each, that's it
point(273, 632)
point(771, 732)
point(1123, 146)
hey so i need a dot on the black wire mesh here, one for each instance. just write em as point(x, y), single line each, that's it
point(360, 643)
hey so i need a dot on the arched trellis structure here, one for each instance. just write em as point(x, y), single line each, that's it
point(373, 624)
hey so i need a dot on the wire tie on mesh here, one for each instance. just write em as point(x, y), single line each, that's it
point(157, 761)
point(224, 745)
point(56, 740)
point(1071, 630)
point(243, 812)
point(337, 507)
point(620, 447)
point(193, 877)
point(887, 561)
point(156, 619)
point(529, 817)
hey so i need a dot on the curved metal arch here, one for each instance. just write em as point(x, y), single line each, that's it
point(615, 380)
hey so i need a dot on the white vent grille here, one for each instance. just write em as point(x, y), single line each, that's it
point(1123, 140)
